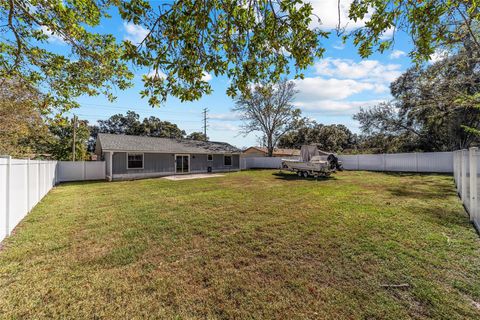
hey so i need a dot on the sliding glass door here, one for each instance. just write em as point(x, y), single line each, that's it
point(182, 163)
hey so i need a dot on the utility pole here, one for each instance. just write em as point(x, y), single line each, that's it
point(74, 136)
point(205, 110)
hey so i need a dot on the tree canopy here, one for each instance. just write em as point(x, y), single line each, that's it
point(247, 41)
point(332, 138)
point(23, 130)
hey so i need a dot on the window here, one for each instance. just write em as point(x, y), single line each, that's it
point(210, 157)
point(227, 160)
point(135, 161)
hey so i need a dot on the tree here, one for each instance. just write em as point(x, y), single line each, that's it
point(431, 24)
point(248, 42)
point(199, 136)
point(334, 138)
point(154, 127)
point(268, 108)
point(23, 130)
point(120, 124)
point(429, 106)
point(130, 124)
point(61, 145)
point(90, 65)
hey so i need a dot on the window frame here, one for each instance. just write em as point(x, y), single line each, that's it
point(210, 156)
point(231, 160)
point(136, 153)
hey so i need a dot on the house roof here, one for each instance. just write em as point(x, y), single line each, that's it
point(121, 142)
point(278, 152)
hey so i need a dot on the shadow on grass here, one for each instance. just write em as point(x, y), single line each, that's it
point(413, 174)
point(424, 189)
point(284, 175)
point(79, 183)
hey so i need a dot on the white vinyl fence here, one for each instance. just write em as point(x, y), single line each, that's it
point(465, 171)
point(23, 183)
point(441, 162)
point(81, 170)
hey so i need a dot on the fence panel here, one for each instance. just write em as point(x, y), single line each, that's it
point(80, 170)
point(18, 192)
point(466, 168)
point(441, 162)
point(405, 162)
point(3, 197)
point(371, 162)
point(23, 183)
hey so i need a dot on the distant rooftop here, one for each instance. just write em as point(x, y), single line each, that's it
point(121, 142)
point(277, 151)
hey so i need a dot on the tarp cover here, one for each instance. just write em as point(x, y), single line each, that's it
point(307, 152)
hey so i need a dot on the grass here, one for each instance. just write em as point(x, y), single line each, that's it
point(250, 245)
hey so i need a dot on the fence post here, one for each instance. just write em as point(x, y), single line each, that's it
point(358, 162)
point(7, 202)
point(28, 185)
point(464, 176)
point(416, 162)
point(39, 190)
point(84, 170)
point(473, 182)
point(384, 162)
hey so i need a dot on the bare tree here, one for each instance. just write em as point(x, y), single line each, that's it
point(269, 109)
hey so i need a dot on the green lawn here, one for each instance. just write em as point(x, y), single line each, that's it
point(254, 244)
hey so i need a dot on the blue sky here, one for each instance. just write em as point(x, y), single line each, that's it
point(333, 89)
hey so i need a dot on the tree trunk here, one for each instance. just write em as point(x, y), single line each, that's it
point(269, 147)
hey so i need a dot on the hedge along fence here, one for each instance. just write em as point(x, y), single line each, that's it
point(441, 162)
point(23, 183)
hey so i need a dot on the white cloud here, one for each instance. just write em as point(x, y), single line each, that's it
point(318, 88)
point(337, 81)
point(159, 73)
point(387, 34)
point(224, 126)
point(327, 11)
point(232, 116)
point(134, 32)
point(333, 107)
point(397, 54)
point(438, 55)
point(339, 45)
point(54, 38)
point(206, 76)
point(368, 70)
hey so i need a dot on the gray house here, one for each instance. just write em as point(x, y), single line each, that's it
point(133, 157)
